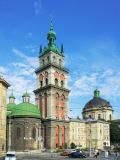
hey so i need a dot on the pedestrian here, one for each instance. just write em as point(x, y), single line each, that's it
point(109, 152)
point(96, 153)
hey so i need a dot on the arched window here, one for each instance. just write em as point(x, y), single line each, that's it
point(18, 133)
point(41, 83)
point(62, 84)
point(63, 136)
point(34, 133)
point(54, 59)
point(57, 99)
point(62, 100)
point(99, 116)
point(46, 81)
point(48, 59)
point(56, 75)
point(43, 62)
point(57, 105)
point(57, 136)
point(62, 77)
point(110, 117)
point(62, 80)
point(45, 104)
point(46, 74)
point(56, 81)
point(41, 80)
point(46, 78)
point(63, 107)
point(90, 116)
point(60, 62)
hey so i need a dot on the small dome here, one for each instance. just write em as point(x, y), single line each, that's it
point(51, 33)
point(26, 94)
point(12, 95)
point(97, 102)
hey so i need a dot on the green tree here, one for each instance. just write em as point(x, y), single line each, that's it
point(72, 145)
point(115, 132)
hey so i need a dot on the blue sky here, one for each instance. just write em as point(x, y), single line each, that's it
point(90, 32)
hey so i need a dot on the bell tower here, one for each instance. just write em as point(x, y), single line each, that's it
point(52, 93)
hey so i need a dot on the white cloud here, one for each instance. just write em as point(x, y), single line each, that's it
point(28, 35)
point(30, 61)
point(38, 7)
point(21, 75)
point(2, 70)
point(32, 48)
point(108, 82)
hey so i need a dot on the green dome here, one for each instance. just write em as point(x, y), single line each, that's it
point(11, 96)
point(26, 94)
point(96, 93)
point(10, 108)
point(25, 110)
point(51, 34)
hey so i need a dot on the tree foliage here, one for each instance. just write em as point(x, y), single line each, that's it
point(115, 132)
point(72, 145)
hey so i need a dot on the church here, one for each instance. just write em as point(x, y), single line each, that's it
point(46, 124)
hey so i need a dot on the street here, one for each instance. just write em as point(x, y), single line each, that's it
point(55, 156)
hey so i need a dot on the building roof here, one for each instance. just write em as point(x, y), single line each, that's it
point(97, 102)
point(51, 36)
point(11, 106)
point(4, 82)
point(23, 110)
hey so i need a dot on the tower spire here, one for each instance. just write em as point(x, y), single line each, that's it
point(62, 49)
point(12, 97)
point(40, 52)
point(51, 24)
point(51, 36)
point(26, 97)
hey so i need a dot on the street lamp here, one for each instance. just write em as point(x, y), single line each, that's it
point(9, 130)
point(89, 120)
point(39, 136)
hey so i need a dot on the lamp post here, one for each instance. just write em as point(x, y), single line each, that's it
point(89, 120)
point(9, 130)
point(39, 136)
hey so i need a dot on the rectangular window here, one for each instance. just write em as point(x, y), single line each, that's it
point(99, 116)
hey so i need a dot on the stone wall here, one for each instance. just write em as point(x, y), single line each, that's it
point(51, 133)
point(3, 97)
point(22, 137)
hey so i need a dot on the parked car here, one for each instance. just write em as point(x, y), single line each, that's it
point(77, 155)
point(67, 152)
point(11, 155)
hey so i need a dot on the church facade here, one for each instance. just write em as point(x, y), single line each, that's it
point(46, 124)
point(23, 125)
point(93, 130)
